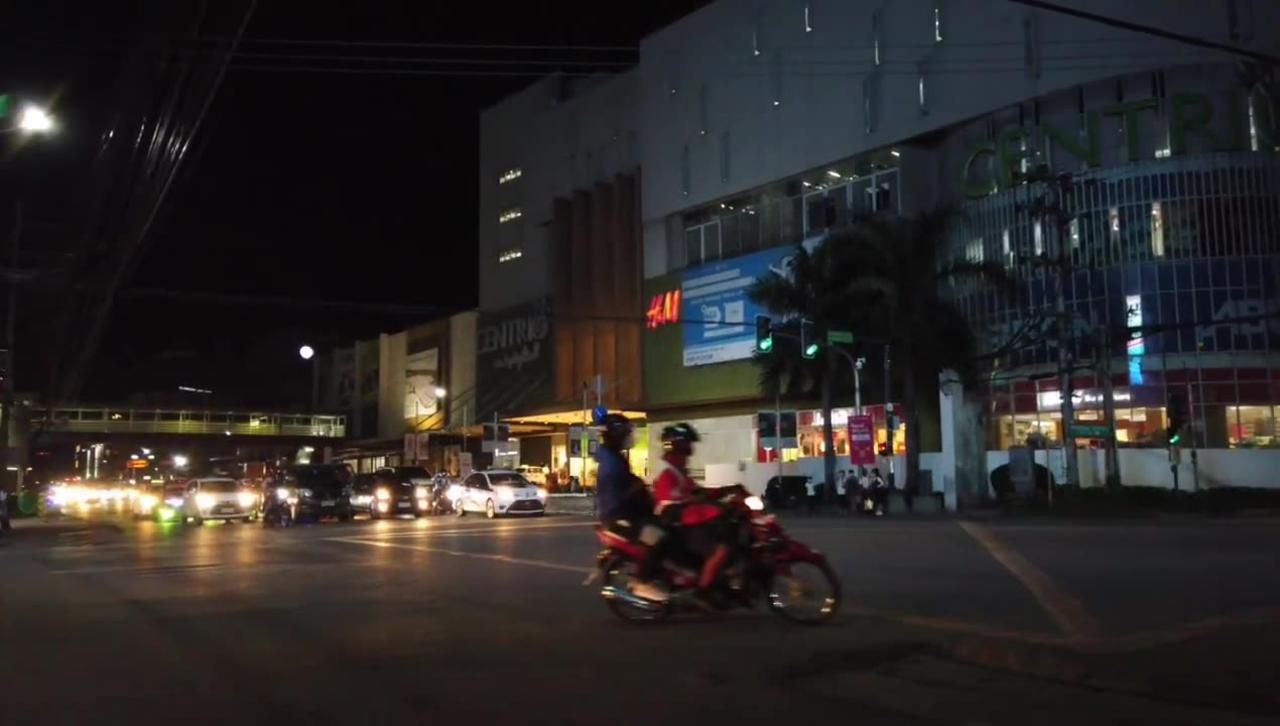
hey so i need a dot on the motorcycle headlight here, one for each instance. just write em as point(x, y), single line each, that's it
point(305, 492)
point(283, 493)
point(383, 494)
point(247, 499)
point(174, 501)
point(205, 501)
point(755, 503)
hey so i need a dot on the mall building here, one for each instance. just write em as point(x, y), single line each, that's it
point(748, 128)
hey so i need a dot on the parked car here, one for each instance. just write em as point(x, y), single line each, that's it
point(219, 499)
point(320, 490)
point(401, 490)
point(498, 492)
point(362, 494)
point(537, 475)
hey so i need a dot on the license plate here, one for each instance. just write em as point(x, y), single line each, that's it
point(404, 505)
point(328, 502)
point(226, 509)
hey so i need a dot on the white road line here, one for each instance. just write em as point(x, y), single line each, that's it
point(545, 564)
point(136, 570)
point(428, 532)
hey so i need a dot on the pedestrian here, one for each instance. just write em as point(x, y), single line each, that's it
point(851, 491)
point(842, 499)
point(811, 494)
point(879, 492)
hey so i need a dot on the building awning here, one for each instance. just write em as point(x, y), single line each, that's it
point(572, 417)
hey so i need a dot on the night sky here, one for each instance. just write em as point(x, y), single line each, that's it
point(344, 185)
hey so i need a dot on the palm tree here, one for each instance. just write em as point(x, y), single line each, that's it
point(816, 290)
point(898, 271)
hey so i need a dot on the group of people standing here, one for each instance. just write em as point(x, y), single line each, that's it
point(857, 490)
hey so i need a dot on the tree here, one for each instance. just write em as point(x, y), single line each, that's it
point(815, 290)
point(898, 271)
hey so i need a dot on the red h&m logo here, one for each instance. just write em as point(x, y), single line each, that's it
point(663, 308)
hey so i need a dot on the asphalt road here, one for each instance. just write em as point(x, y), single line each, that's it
point(472, 621)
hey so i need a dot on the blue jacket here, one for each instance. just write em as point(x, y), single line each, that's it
point(613, 485)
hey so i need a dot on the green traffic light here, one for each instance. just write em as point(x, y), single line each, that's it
point(1175, 439)
point(765, 345)
point(811, 350)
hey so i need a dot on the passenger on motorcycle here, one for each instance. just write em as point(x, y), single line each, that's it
point(706, 528)
point(623, 501)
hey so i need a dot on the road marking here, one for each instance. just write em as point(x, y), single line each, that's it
point(155, 570)
point(1066, 611)
point(545, 564)
point(501, 529)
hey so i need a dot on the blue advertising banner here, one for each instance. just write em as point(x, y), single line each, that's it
point(718, 318)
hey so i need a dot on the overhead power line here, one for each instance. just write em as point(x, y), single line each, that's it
point(1148, 30)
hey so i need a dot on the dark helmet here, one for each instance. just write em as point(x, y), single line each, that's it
point(614, 429)
point(680, 438)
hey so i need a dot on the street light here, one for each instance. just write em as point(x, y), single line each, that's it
point(306, 352)
point(440, 392)
point(180, 461)
point(35, 120)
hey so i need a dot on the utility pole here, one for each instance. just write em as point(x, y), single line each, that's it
point(1102, 370)
point(1052, 206)
point(10, 337)
point(889, 421)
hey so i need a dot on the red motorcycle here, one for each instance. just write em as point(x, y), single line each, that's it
point(794, 580)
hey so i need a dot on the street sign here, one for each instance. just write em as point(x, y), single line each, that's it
point(862, 441)
point(840, 336)
point(1089, 431)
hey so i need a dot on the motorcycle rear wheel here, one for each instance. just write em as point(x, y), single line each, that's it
point(618, 572)
point(809, 593)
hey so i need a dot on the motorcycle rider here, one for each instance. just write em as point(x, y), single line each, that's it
point(623, 502)
point(707, 528)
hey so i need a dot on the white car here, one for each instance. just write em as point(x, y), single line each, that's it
point(217, 498)
point(496, 493)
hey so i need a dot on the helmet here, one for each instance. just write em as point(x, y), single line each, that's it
point(680, 438)
point(614, 430)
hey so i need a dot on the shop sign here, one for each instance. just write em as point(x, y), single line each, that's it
point(862, 440)
point(513, 358)
point(1085, 398)
point(664, 308)
point(989, 166)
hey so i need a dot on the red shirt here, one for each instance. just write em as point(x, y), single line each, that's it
point(673, 486)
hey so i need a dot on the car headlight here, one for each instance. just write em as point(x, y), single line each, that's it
point(506, 495)
point(148, 502)
point(247, 499)
point(174, 501)
point(283, 493)
point(383, 494)
point(755, 503)
point(542, 493)
point(422, 492)
point(204, 501)
point(305, 492)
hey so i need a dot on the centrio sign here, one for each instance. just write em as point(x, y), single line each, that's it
point(1190, 116)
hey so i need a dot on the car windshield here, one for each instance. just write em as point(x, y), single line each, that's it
point(413, 472)
point(508, 479)
point(219, 485)
point(317, 477)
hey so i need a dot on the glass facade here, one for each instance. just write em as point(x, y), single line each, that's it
point(1174, 269)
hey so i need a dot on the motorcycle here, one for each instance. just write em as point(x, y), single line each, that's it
point(279, 508)
point(440, 501)
point(794, 580)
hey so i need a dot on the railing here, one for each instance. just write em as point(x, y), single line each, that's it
point(213, 423)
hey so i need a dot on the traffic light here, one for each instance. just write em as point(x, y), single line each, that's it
point(808, 343)
point(764, 334)
point(1177, 413)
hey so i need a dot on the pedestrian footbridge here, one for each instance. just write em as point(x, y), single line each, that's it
point(104, 420)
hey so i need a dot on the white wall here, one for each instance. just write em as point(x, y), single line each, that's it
point(699, 80)
point(1150, 467)
point(725, 440)
point(562, 140)
point(462, 367)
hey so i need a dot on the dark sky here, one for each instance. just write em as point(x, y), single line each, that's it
point(339, 185)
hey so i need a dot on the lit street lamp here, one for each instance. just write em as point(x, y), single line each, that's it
point(35, 120)
point(306, 352)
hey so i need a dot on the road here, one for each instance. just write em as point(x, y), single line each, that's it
point(471, 621)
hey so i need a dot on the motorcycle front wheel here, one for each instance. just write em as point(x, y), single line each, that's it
point(804, 592)
point(617, 573)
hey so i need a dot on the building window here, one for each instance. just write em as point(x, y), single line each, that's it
point(724, 156)
point(937, 21)
point(808, 17)
point(702, 242)
point(510, 215)
point(875, 37)
point(870, 87)
point(1075, 233)
point(1113, 216)
point(973, 251)
point(1157, 230)
point(514, 253)
point(510, 175)
point(684, 171)
point(755, 42)
point(1037, 234)
point(1006, 249)
point(702, 110)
